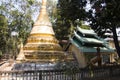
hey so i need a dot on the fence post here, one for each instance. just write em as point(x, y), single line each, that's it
point(110, 72)
point(40, 75)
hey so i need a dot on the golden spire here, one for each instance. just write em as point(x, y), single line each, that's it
point(21, 54)
point(44, 2)
point(43, 24)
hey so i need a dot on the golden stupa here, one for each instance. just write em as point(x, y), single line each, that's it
point(42, 46)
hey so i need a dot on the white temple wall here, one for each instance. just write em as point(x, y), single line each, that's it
point(79, 55)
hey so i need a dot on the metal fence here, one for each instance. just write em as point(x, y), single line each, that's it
point(99, 73)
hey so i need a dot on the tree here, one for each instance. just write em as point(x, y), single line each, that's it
point(105, 15)
point(3, 32)
point(19, 19)
point(68, 11)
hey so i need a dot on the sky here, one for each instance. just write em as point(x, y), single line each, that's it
point(35, 17)
point(36, 14)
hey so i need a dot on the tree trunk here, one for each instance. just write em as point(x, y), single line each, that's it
point(116, 43)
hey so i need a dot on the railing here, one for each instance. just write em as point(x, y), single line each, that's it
point(101, 73)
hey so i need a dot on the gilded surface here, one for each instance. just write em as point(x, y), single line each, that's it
point(37, 34)
point(42, 41)
point(41, 44)
point(43, 48)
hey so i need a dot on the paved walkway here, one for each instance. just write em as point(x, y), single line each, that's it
point(7, 66)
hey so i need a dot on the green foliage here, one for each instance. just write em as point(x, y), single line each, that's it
point(30, 2)
point(3, 32)
point(106, 16)
point(68, 11)
point(62, 29)
point(18, 18)
point(22, 24)
point(85, 27)
point(72, 9)
point(0, 53)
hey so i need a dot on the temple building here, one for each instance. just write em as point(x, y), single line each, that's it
point(108, 36)
point(42, 46)
point(89, 48)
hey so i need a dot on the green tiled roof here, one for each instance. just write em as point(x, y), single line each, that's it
point(88, 40)
point(88, 44)
point(86, 49)
point(85, 31)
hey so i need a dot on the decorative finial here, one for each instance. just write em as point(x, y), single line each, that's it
point(42, 24)
point(44, 2)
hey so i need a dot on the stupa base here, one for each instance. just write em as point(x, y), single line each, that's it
point(34, 66)
point(43, 65)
